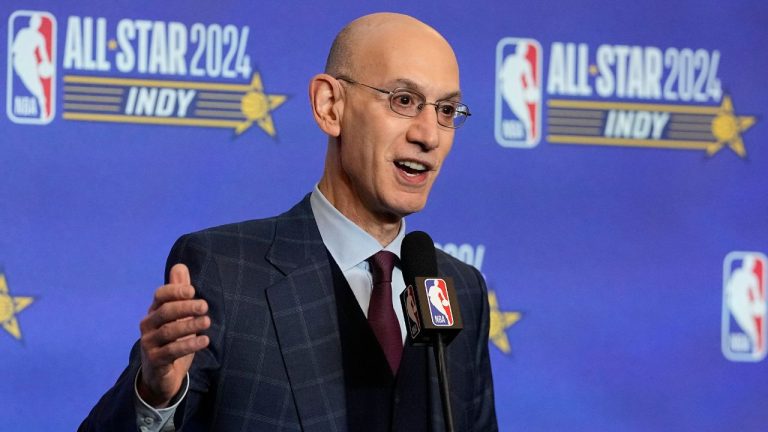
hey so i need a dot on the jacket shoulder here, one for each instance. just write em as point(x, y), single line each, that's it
point(454, 267)
point(255, 234)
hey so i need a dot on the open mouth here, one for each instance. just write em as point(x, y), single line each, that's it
point(411, 168)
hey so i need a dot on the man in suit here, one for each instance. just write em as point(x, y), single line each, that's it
point(264, 325)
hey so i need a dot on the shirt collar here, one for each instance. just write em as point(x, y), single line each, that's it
point(348, 244)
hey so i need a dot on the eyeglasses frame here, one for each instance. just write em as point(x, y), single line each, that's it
point(420, 108)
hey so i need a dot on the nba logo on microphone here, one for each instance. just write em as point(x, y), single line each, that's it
point(518, 93)
point(439, 303)
point(744, 307)
point(31, 83)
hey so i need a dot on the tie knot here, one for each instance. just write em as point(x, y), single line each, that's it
point(382, 263)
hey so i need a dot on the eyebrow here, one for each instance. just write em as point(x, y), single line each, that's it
point(410, 84)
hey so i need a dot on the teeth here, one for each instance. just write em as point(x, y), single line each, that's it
point(413, 165)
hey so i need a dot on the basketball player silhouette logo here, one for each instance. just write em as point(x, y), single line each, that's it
point(31, 63)
point(439, 303)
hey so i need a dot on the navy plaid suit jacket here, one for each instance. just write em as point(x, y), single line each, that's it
point(274, 362)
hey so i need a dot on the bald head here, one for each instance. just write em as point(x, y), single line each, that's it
point(372, 146)
point(360, 42)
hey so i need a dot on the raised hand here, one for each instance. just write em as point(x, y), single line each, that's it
point(170, 337)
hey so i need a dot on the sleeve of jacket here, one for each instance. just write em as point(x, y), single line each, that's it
point(115, 410)
point(485, 419)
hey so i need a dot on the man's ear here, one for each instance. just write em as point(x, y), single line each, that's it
point(327, 103)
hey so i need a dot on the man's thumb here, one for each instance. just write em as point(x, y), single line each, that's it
point(180, 275)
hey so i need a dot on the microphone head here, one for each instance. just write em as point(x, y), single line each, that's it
point(417, 256)
point(429, 301)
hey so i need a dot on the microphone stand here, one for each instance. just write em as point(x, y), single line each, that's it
point(442, 378)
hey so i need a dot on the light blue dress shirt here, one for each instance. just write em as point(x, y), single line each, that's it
point(350, 246)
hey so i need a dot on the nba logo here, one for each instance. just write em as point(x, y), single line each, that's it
point(518, 93)
point(31, 84)
point(744, 307)
point(412, 311)
point(439, 303)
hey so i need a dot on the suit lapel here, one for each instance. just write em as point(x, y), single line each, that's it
point(303, 310)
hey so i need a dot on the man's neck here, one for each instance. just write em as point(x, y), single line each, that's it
point(381, 227)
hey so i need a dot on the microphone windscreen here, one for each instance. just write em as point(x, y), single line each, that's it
point(417, 257)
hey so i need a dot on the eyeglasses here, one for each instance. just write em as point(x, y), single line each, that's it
point(409, 103)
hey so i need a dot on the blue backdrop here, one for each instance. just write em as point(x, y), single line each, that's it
point(611, 185)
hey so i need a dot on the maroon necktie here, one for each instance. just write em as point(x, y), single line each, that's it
point(381, 315)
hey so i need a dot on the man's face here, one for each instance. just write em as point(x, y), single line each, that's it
point(389, 160)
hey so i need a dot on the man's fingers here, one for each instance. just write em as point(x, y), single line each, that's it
point(170, 293)
point(179, 287)
point(179, 275)
point(172, 311)
point(171, 332)
point(169, 353)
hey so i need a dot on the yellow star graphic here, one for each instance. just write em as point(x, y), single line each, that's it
point(727, 128)
point(500, 322)
point(9, 307)
point(256, 106)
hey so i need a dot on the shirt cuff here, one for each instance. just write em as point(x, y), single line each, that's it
point(150, 419)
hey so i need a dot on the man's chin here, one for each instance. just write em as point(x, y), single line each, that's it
point(409, 207)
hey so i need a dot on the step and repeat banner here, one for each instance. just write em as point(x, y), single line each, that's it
point(611, 185)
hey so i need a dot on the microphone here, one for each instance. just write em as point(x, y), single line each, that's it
point(429, 302)
point(430, 307)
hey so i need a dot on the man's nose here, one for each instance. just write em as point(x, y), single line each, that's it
point(424, 128)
